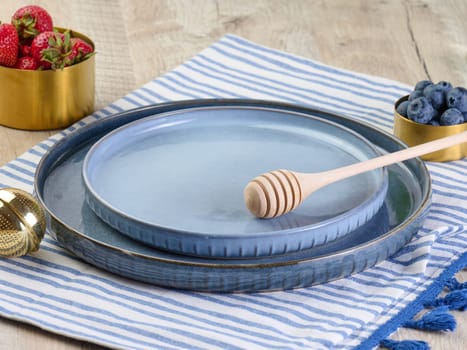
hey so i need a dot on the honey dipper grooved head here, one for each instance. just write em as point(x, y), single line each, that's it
point(255, 199)
point(273, 194)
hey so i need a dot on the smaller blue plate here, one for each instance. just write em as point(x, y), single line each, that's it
point(175, 181)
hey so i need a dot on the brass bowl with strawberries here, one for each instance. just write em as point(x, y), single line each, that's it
point(47, 99)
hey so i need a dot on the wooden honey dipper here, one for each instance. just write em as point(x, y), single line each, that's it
point(280, 191)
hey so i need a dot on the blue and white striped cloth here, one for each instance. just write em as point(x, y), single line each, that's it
point(57, 292)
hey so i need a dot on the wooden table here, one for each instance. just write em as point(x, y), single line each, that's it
point(138, 40)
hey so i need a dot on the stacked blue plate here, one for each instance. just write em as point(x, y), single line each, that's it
point(175, 180)
point(155, 194)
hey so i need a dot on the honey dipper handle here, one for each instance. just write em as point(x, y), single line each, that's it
point(379, 162)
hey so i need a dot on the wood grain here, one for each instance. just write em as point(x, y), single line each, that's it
point(139, 40)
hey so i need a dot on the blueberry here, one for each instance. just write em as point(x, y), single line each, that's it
point(436, 95)
point(422, 84)
point(415, 94)
point(420, 110)
point(436, 116)
point(451, 116)
point(465, 117)
point(457, 98)
point(434, 122)
point(446, 85)
point(402, 108)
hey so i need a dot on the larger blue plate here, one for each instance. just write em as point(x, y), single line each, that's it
point(60, 189)
point(175, 181)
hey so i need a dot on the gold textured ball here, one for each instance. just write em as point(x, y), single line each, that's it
point(22, 223)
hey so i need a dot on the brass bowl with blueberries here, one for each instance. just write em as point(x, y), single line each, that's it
point(432, 111)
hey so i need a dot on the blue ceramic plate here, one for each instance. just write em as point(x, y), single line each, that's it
point(59, 187)
point(175, 181)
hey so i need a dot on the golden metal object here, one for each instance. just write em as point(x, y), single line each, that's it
point(413, 133)
point(44, 100)
point(22, 223)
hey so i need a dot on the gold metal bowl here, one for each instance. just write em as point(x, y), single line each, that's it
point(413, 133)
point(44, 100)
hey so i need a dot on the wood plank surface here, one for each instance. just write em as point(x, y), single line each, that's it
point(138, 40)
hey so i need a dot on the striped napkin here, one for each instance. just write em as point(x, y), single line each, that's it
point(54, 290)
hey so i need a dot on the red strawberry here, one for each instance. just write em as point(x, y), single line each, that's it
point(24, 50)
point(51, 49)
point(26, 62)
point(9, 44)
point(31, 20)
point(80, 50)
